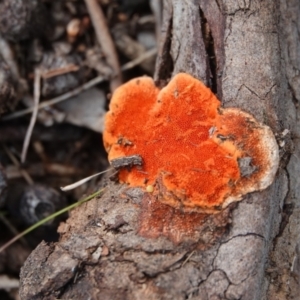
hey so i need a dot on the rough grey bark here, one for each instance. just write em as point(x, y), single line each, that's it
point(284, 266)
point(251, 60)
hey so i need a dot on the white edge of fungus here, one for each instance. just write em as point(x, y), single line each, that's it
point(270, 145)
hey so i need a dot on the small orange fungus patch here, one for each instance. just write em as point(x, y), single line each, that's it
point(196, 155)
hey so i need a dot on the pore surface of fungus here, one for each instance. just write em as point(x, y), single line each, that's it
point(196, 155)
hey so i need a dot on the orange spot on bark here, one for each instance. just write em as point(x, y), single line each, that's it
point(158, 219)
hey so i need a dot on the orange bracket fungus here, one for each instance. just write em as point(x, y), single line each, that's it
point(194, 154)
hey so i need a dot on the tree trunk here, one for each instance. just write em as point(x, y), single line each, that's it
point(248, 53)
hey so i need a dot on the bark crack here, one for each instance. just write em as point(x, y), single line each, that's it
point(250, 90)
point(244, 235)
point(270, 90)
point(210, 51)
point(286, 212)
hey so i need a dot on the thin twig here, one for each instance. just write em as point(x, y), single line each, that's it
point(105, 40)
point(58, 99)
point(45, 220)
point(24, 173)
point(81, 88)
point(8, 283)
point(37, 93)
point(81, 181)
point(188, 258)
point(139, 59)
point(60, 71)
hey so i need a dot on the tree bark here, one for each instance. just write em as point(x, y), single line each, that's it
point(247, 52)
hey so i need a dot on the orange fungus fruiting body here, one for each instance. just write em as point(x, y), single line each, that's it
point(191, 147)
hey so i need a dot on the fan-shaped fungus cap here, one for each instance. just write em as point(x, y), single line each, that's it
point(197, 155)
